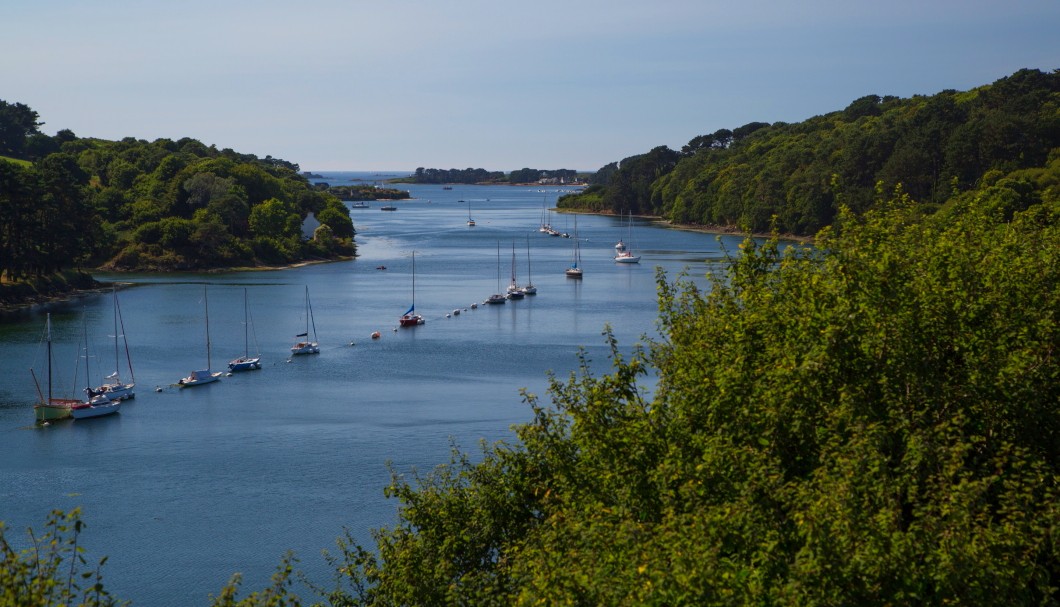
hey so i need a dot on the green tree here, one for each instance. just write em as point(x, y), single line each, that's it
point(870, 422)
point(17, 122)
point(16, 204)
point(337, 218)
point(273, 219)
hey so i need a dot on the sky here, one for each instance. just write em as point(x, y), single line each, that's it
point(387, 85)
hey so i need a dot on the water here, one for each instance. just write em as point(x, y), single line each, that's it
point(185, 487)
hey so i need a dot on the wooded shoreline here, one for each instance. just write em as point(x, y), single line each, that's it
point(15, 296)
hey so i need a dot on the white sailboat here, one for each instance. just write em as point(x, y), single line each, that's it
point(114, 388)
point(529, 289)
point(411, 318)
point(514, 291)
point(623, 252)
point(497, 298)
point(575, 270)
point(202, 376)
point(97, 405)
point(306, 346)
point(470, 222)
point(246, 362)
point(49, 408)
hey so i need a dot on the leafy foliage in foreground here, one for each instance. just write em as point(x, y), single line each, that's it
point(51, 571)
point(871, 422)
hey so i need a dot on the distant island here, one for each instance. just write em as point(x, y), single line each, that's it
point(362, 192)
point(482, 176)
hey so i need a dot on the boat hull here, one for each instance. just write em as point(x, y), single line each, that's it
point(244, 364)
point(55, 409)
point(115, 391)
point(305, 348)
point(88, 410)
point(574, 273)
point(411, 320)
point(627, 259)
point(198, 378)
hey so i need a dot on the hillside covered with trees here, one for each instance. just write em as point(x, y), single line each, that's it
point(934, 146)
point(72, 202)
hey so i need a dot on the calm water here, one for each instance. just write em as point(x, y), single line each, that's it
point(185, 487)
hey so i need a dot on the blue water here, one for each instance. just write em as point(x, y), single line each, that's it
point(184, 488)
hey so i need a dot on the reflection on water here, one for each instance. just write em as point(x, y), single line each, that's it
point(186, 486)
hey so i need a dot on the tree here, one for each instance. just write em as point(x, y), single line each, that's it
point(869, 422)
point(273, 219)
point(17, 123)
point(337, 218)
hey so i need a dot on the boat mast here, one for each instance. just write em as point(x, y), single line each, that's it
point(125, 338)
point(116, 360)
point(309, 315)
point(513, 263)
point(84, 329)
point(48, 331)
point(246, 326)
point(206, 301)
point(528, 280)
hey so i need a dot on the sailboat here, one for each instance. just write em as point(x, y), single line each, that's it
point(624, 253)
point(470, 222)
point(246, 362)
point(411, 318)
point(48, 409)
point(575, 271)
point(497, 298)
point(545, 227)
point(202, 376)
point(529, 289)
point(307, 347)
point(548, 227)
point(97, 405)
point(114, 388)
point(514, 291)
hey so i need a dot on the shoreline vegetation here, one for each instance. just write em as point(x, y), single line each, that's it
point(720, 230)
point(61, 287)
point(795, 177)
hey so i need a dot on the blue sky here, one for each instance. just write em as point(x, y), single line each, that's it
point(397, 84)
